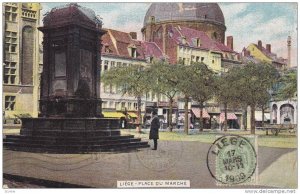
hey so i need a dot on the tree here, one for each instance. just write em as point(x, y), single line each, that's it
point(165, 78)
point(226, 92)
point(263, 102)
point(253, 80)
point(131, 80)
point(289, 85)
point(203, 86)
point(185, 85)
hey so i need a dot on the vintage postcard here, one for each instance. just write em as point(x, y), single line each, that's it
point(142, 95)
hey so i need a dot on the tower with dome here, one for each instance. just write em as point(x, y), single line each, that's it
point(206, 17)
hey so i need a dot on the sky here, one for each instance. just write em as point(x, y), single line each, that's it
point(271, 23)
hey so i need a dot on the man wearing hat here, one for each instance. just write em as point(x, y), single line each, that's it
point(154, 129)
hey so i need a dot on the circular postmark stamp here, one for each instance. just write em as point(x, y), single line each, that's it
point(231, 159)
point(169, 152)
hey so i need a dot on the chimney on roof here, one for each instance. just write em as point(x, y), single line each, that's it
point(259, 44)
point(230, 42)
point(246, 53)
point(268, 47)
point(133, 35)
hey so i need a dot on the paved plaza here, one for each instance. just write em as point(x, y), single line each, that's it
point(174, 160)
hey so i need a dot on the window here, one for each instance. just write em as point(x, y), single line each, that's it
point(202, 59)
point(7, 47)
point(10, 102)
point(152, 19)
point(123, 105)
point(105, 65)
point(10, 13)
point(124, 64)
point(181, 49)
point(106, 49)
point(112, 104)
point(117, 105)
point(133, 52)
point(135, 106)
point(183, 40)
point(13, 48)
point(9, 71)
point(119, 64)
point(112, 64)
point(11, 41)
point(198, 42)
point(215, 35)
point(104, 104)
point(197, 59)
point(7, 16)
point(14, 17)
point(213, 61)
point(180, 60)
point(129, 106)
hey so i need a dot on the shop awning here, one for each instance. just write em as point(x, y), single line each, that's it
point(196, 112)
point(113, 114)
point(230, 116)
point(258, 116)
point(132, 114)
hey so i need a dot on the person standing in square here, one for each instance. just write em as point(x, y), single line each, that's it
point(154, 129)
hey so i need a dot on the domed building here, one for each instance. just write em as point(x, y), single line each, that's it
point(206, 17)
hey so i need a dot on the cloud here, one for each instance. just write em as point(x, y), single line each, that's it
point(128, 17)
point(231, 10)
point(272, 28)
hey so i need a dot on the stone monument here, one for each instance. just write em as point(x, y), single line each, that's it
point(70, 119)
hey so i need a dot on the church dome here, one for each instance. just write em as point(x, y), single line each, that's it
point(161, 12)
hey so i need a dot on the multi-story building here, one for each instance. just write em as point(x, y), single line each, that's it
point(263, 54)
point(192, 32)
point(20, 59)
point(122, 49)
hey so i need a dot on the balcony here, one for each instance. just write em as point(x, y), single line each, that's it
point(29, 14)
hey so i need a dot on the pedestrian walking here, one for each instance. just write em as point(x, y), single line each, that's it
point(154, 129)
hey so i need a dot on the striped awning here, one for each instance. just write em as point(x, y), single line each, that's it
point(113, 114)
point(132, 114)
point(230, 116)
point(196, 112)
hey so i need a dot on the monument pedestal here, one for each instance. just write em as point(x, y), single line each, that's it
point(71, 135)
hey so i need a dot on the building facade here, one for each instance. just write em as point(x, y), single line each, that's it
point(187, 33)
point(265, 54)
point(122, 49)
point(21, 63)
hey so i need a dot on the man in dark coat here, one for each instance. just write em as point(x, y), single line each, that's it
point(154, 129)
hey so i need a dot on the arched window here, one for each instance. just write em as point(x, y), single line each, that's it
point(215, 35)
point(287, 114)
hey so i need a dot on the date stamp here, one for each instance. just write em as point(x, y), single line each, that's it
point(232, 159)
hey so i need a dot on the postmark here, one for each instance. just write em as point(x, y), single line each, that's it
point(232, 159)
